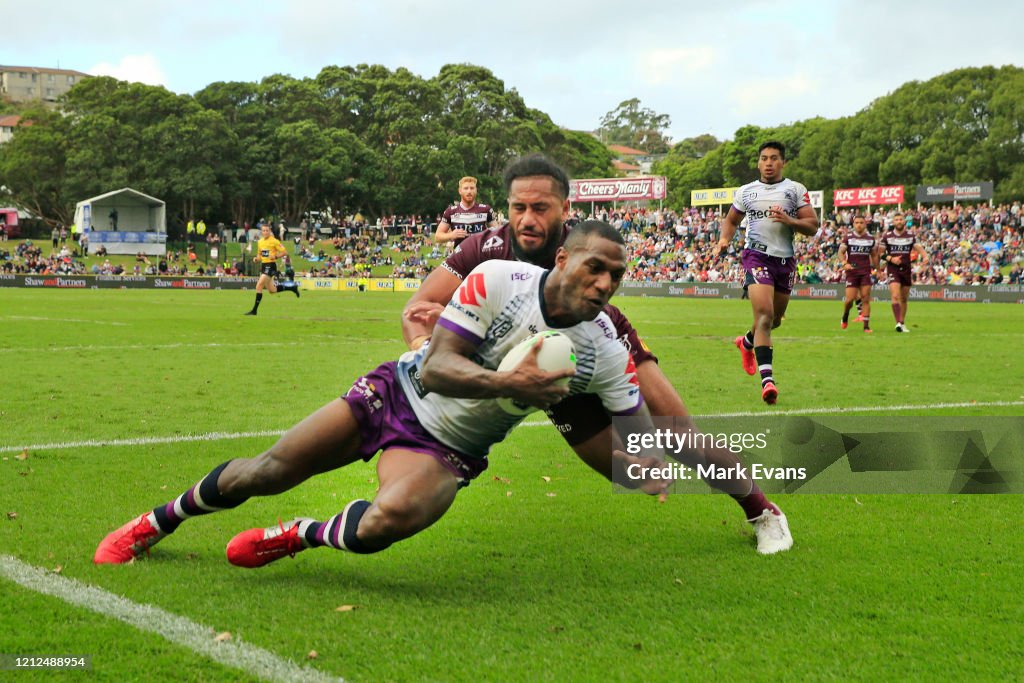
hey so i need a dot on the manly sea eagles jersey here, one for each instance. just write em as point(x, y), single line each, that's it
point(763, 233)
point(473, 220)
point(858, 251)
point(497, 306)
point(901, 245)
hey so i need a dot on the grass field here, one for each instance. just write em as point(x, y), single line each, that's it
point(539, 572)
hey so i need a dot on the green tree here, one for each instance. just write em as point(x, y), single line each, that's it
point(32, 167)
point(635, 126)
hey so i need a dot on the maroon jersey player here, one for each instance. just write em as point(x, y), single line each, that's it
point(896, 246)
point(464, 218)
point(538, 208)
point(859, 254)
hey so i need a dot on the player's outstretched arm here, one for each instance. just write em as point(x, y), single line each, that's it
point(425, 306)
point(448, 370)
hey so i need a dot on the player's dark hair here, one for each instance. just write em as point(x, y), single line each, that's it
point(773, 144)
point(534, 165)
point(582, 232)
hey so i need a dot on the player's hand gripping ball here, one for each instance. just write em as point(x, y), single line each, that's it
point(556, 353)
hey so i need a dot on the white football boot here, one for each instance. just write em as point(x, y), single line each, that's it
point(772, 532)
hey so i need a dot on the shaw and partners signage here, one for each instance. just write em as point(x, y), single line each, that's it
point(618, 189)
point(930, 194)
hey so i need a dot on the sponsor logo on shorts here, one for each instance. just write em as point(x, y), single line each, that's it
point(368, 391)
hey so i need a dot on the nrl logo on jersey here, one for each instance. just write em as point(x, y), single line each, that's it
point(494, 242)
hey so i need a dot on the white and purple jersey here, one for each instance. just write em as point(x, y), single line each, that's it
point(755, 201)
point(498, 305)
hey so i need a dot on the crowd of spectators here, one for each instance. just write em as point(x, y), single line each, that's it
point(967, 244)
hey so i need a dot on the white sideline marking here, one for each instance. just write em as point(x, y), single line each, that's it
point(144, 440)
point(852, 409)
point(183, 345)
point(221, 436)
point(177, 629)
point(64, 320)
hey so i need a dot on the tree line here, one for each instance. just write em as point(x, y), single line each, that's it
point(381, 142)
point(962, 126)
point(355, 139)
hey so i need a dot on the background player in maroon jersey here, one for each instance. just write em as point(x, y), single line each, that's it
point(859, 254)
point(538, 192)
point(466, 217)
point(897, 246)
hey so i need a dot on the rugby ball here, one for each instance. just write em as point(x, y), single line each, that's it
point(556, 353)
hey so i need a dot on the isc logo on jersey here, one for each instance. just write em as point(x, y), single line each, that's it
point(494, 242)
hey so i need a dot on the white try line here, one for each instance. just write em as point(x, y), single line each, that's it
point(143, 440)
point(177, 629)
point(222, 436)
point(64, 320)
point(183, 345)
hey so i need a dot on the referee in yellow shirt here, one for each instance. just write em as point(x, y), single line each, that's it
point(268, 251)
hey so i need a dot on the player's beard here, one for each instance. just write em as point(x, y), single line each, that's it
point(545, 255)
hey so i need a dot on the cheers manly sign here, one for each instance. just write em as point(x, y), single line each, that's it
point(617, 189)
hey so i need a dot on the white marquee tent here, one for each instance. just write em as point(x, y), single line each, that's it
point(124, 221)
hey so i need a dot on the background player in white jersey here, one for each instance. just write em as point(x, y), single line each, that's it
point(775, 207)
point(898, 244)
point(430, 445)
point(466, 217)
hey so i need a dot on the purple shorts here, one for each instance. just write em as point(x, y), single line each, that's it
point(904, 277)
point(386, 420)
point(858, 279)
point(763, 269)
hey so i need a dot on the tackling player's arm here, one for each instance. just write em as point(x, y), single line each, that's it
point(448, 369)
point(605, 454)
point(805, 223)
point(729, 225)
point(425, 306)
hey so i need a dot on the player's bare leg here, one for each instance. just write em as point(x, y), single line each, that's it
point(326, 440)
point(415, 491)
point(896, 302)
point(769, 306)
point(850, 297)
point(904, 302)
point(865, 297)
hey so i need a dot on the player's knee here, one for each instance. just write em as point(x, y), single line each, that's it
point(393, 520)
